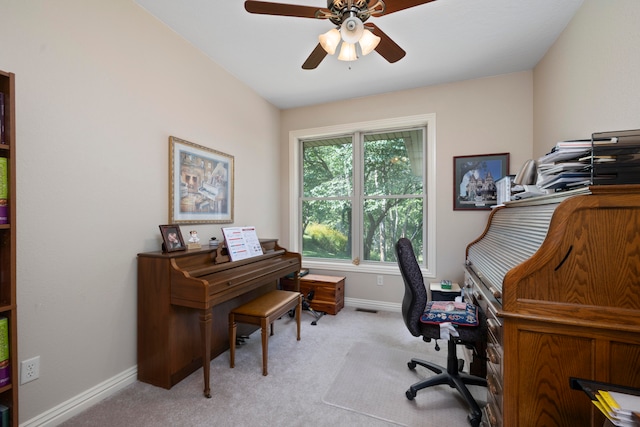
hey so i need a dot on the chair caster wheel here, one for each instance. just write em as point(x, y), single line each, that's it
point(474, 421)
point(410, 394)
point(412, 366)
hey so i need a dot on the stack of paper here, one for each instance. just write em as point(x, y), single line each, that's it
point(622, 409)
point(566, 150)
point(563, 167)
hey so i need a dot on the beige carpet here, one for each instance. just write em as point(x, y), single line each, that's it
point(366, 353)
point(373, 380)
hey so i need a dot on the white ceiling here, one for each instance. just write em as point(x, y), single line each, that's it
point(445, 41)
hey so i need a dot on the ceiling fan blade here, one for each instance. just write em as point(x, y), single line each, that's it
point(397, 5)
point(315, 58)
point(387, 47)
point(281, 9)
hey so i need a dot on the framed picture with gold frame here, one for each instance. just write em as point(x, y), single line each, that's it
point(200, 184)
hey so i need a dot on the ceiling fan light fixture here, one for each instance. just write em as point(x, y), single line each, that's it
point(351, 30)
point(348, 52)
point(348, 18)
point(368, 42)
point(330, 40)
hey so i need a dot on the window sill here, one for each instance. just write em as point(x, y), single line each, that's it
point(346, 266)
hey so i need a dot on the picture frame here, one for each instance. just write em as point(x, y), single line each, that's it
point(172, 238)
point(201, 184)
point(474, 180)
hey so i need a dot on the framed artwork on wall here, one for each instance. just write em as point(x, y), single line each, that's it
point(201, 184)
point(474, 180)
point(172, 238)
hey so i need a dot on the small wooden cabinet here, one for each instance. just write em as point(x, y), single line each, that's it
point(8, 308)
point(328, 291)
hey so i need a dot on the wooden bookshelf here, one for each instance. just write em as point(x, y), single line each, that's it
point(9, 392)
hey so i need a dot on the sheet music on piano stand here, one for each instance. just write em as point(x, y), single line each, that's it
point(242, 242)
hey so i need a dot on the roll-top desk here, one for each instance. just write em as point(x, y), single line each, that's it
point(184, 299)
point(559, 279)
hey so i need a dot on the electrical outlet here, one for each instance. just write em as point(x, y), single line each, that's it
point(29, 370)
point(380, 280)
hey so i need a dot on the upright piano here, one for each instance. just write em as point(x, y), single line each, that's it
point(559, 279)
point(184, 299)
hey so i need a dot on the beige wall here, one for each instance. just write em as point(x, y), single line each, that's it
point(100, 87)
point(589, 81)
point(484, 116)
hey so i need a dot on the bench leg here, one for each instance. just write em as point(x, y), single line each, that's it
point(265, 344)
point(233, 326)
point(299, 314)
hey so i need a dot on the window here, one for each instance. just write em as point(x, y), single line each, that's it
point(358, 189)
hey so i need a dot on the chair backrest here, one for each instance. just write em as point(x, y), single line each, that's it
point(415, 294)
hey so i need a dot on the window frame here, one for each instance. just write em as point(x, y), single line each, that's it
point(295, 181)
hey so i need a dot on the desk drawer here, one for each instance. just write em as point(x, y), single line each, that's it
point(494, 351)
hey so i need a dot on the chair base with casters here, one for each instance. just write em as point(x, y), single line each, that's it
point(452, 376)
point(414, 305)
point(306, 306)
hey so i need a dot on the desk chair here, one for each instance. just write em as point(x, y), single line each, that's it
point(414, 304)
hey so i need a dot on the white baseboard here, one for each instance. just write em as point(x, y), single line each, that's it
point(372, 305)
point(83, 401)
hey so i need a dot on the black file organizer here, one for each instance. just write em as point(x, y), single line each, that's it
point(624, 149)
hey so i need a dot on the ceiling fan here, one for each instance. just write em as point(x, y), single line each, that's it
point(349, 17)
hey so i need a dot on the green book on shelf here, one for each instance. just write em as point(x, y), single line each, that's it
point(5, 370)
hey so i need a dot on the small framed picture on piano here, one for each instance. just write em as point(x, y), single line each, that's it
point(172, 238)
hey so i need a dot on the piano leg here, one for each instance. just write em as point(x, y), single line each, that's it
point(206, 321)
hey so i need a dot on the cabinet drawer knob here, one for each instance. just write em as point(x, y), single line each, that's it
point(493, 325)
point(493, 356)
point(494, 385)
point(495, 292)
point(493, 420)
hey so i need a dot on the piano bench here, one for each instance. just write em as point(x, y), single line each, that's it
point(263, 311)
